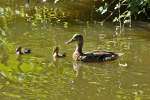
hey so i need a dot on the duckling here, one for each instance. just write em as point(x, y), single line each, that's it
point(21, 51)
point(56, 53)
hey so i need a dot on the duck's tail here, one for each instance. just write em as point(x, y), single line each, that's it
point(116, 55)
point(120, 54)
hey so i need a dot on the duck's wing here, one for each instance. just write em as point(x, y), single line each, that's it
point(106, 55)
point(26, 50)
point(98, 56)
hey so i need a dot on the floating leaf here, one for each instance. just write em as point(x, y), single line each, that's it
point(65, 24)
point(56, 1)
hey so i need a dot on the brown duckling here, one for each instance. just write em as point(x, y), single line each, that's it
point(21, 51)
point(57, 54)
point(95, 56)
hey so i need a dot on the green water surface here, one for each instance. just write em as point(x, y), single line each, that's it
point(37, 77)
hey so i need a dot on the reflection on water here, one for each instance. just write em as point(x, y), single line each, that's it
point(39, 77)
point(20, 62)
point(77, 69)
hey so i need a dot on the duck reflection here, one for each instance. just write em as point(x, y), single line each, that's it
point(20, 62)
point(78, 69)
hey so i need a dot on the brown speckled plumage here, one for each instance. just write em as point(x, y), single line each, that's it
point(95, 56)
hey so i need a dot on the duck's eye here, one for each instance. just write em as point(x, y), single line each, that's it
point(76, 38)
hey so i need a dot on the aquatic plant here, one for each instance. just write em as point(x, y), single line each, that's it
point(43, 12)
point(36, 15)
point(124, 11)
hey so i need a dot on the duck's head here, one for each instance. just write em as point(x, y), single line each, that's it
point(76, 37)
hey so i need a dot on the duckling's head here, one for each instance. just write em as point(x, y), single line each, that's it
point(56, 50)
point(76, 37)
point(18, 50)
point(56, 54)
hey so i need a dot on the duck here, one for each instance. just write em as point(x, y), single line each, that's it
point(57, 54)
point(94, 56)
point(21, 51)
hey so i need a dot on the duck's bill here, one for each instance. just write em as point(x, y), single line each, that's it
point(70, 41)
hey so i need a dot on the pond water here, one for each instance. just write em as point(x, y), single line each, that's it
point(37, 77)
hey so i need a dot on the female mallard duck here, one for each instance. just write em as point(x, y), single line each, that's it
point(21, 51)
point(96, 56)
point(56, 53)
